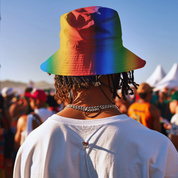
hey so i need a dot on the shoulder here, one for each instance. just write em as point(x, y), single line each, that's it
point(22, 119)
point(22, 122)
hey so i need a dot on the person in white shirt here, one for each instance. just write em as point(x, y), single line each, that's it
point(27, 123)
point(91, 138)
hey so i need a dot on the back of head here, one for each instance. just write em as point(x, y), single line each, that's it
point(143, 89)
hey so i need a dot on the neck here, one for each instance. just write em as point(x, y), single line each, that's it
point(93, 96)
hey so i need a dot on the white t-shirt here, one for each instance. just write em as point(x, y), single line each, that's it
point(43, 113)
point(174, 123)
point(118, 146)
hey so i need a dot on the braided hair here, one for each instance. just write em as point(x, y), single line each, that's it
point(64, 84)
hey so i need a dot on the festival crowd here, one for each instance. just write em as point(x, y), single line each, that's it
point(19, 115)
point(22, 113)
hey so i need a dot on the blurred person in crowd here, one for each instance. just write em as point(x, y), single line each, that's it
point(19, 108)
point(162, 104)
point(173, 134)
point(6, 142)
point(8, 94)
point(27, 123)
point(90, 137)
point(143, 111)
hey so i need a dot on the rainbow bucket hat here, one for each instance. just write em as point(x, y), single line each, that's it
point(91, 44)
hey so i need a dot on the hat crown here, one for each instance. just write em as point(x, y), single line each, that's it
point(91, 44)
point(90, 24)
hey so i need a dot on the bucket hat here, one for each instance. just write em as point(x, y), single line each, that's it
point(91, 44)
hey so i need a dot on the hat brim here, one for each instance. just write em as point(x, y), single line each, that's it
point(95, 63)
point(29, 95)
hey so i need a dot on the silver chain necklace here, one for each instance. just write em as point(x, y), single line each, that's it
point(92, 108)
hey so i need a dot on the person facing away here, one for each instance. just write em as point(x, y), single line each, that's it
point(143, 111)
point(8, 94)
point(173, 105)
point(162, 104)
point(27, 123)
point(19, 108)
point(90, 138)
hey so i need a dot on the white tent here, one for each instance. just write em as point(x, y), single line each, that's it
point(170, 80)
point(156, 76)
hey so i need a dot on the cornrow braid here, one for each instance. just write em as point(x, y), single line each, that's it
point(64, 84)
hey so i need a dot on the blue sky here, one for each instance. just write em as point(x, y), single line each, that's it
point(29, 34)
